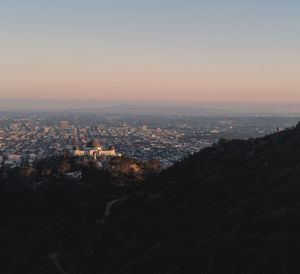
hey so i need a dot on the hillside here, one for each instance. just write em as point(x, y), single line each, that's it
point(231, 208)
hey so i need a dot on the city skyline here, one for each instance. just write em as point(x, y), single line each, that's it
point(150, 51)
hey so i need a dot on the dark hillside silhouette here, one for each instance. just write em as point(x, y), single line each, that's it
point(231, 208)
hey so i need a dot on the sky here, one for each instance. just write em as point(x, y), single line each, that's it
point(177, 51)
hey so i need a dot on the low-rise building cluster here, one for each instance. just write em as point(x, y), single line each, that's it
point(28, 138)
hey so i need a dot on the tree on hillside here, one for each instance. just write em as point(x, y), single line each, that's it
point(64, 167)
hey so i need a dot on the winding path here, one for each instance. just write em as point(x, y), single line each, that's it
point(109, 206)
point(53, 258)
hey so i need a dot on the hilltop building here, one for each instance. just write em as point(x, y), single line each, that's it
point(94, 149)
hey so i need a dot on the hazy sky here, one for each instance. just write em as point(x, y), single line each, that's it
point(150, 50)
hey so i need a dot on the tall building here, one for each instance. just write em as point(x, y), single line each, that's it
point(63, 124)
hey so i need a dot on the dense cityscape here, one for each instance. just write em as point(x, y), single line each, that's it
point(27, 137)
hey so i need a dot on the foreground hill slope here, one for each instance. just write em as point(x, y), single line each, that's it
point(231, 208)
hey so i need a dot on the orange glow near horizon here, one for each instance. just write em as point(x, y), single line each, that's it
point(151, 52)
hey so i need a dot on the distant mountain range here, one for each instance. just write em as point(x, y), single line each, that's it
point(231, 208)
point(219, 109)
point(144, 109)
